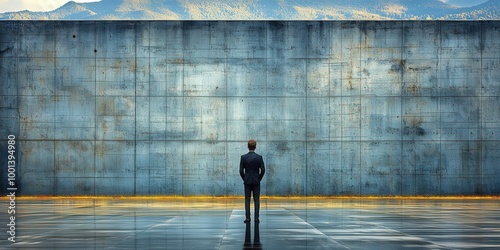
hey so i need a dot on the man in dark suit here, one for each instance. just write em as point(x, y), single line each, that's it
point(252, 171)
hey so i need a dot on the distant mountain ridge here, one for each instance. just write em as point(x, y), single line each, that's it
point(263, 10)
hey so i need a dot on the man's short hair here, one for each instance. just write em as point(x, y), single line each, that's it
point(252, 144)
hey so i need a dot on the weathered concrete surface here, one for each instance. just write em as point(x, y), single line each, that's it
point(153, 107)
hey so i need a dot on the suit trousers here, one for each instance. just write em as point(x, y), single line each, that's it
point(255, 189)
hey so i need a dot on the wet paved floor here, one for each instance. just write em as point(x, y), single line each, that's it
point(183, 223)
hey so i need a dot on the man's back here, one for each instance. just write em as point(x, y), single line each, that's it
point(252, 168)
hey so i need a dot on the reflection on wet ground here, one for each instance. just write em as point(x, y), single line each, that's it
point(217, 223)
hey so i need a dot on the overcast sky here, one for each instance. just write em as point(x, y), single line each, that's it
point(48, 5)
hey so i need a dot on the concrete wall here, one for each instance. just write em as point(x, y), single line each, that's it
point(363, 108)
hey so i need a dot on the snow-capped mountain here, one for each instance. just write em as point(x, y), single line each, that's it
point(264, 10)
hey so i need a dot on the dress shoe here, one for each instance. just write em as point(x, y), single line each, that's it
point(246, 221)
point(257, 220)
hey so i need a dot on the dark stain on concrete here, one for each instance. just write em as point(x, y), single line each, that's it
point(413, 89)
point(5, 50)
point(413, 68)
point(282, 147)
point(419, 131)
point(398, 65)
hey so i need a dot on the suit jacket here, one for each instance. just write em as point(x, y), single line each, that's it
point(252, 168)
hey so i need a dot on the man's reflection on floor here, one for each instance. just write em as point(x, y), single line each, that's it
point(256, 237)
